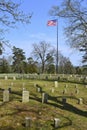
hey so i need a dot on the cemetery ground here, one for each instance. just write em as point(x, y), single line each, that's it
point(65, 101)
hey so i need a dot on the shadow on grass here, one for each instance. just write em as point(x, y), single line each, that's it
point(66, 106)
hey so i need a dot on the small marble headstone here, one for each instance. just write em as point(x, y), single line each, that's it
point(6, 96)
point(52, 90)
point(6, 77)
point(76, 86)
point(44, 98)
point(80, 101)
point(56, 84)
point(34, 84)
point(27, 121)
point(56, 122)
point(14, 78)
point(65, 91)
point(71, 76)
point(25, 96)
point(66, 85)
point(11, 83)
point(38, 89)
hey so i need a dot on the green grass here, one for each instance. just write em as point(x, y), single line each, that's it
point(72, 115)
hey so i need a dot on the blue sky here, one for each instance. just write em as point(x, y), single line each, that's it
point(23, 36)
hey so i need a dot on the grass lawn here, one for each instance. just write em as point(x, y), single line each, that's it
point(72, 115)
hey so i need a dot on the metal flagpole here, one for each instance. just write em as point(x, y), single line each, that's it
point(55, 23)
point(57, 51)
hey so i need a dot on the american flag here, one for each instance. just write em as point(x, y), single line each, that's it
point(52, 22)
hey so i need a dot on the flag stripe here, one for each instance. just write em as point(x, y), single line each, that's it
point(52, 22)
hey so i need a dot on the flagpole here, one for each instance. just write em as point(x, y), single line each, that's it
point(57, 51)
point(55, 23)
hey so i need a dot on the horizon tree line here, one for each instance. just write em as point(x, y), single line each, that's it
point(41, 60)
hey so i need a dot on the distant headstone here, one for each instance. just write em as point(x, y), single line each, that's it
point(86, 77)
point(80, 101)
point(6, 77)
point(71, 76)
point(44, 98)
point(34, 84)
point(56, 84)
point(27, 122)
point(66, 85)
point(6, 96)
point(52, 90)
point(76, 86)
point(56, 122)
point(65, 91)
point(11, 83)
point(38, 89)
point(76, 91)
point(25, 96)
point(14, 78)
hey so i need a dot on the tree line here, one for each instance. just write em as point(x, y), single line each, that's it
point(42, 60)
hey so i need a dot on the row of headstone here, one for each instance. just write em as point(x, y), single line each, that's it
point(51, 76)
point(6, 77)
point(28, 122)
point(25, 96)
point(65, 91)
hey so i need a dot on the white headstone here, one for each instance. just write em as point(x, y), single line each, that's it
point(56, 84)
point(6, 77)
point(5, 96)
point(44, 98)
point(52, 90)
point(25, 96)
point(80, 101)
point(56, 122)
point(14, 78)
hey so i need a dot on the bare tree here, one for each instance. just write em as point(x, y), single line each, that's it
point(75, 14)
point(41, 51)
point(10, 14)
